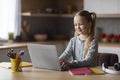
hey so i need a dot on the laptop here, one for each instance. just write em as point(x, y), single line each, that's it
point(44, 56)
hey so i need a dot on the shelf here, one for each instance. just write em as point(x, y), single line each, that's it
point(108, 15)
point(46, 15)
point(67, 15)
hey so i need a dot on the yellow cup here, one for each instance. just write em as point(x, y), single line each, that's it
point(16, 65)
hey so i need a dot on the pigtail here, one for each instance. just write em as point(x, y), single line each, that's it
point(91, 35)
point(93, 21)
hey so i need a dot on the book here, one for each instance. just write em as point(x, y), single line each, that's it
point(8, 64)
point(78, 71)
point(96, 71)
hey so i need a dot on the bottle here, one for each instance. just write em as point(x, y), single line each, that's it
point(69, 9)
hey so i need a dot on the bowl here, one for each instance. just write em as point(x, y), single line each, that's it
point(40, 37)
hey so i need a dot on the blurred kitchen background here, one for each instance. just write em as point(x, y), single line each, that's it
point(55, 18)
point(51, 22)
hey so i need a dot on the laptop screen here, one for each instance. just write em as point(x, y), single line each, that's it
point(44, 56)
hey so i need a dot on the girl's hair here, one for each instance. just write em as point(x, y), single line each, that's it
point(90, 17)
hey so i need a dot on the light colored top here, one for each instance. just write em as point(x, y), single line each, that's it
point(74, 53)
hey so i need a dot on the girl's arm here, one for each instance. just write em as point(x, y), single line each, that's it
point(67, 54)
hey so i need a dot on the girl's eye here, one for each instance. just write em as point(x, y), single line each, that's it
point(80, 23)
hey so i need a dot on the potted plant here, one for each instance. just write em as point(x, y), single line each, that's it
point(104, 37)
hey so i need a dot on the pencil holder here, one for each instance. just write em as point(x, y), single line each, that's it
point(16, 65)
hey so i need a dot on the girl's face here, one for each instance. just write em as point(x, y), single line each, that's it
point(81, 25)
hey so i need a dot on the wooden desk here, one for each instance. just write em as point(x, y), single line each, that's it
point(30, 73)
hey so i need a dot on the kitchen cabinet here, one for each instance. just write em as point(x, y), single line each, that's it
point(50, 16)
point(51, 24)
point(62, 8)
point(109, 8)
point(51, 6)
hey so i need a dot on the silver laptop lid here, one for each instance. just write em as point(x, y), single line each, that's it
point(44, 56)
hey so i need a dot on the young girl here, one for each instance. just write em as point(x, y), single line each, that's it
point(83, 48)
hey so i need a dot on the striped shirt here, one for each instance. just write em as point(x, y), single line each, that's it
point(74, 53)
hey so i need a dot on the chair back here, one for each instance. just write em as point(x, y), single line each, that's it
point(108, 58)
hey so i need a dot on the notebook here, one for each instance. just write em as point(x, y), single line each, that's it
point(44, 56)
point(78, 71)
point(96, 71)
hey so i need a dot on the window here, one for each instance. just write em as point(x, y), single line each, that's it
point(10, 19)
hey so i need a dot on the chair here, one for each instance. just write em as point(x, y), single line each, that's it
point(108, 58)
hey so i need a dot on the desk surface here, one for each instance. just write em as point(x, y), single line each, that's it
point(30, 73)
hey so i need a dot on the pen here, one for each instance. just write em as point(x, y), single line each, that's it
point(16, 55)
point(21, 53)
point(10, 54)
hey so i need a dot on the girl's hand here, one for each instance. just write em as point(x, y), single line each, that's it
point(61, 62)
point(64, 64)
